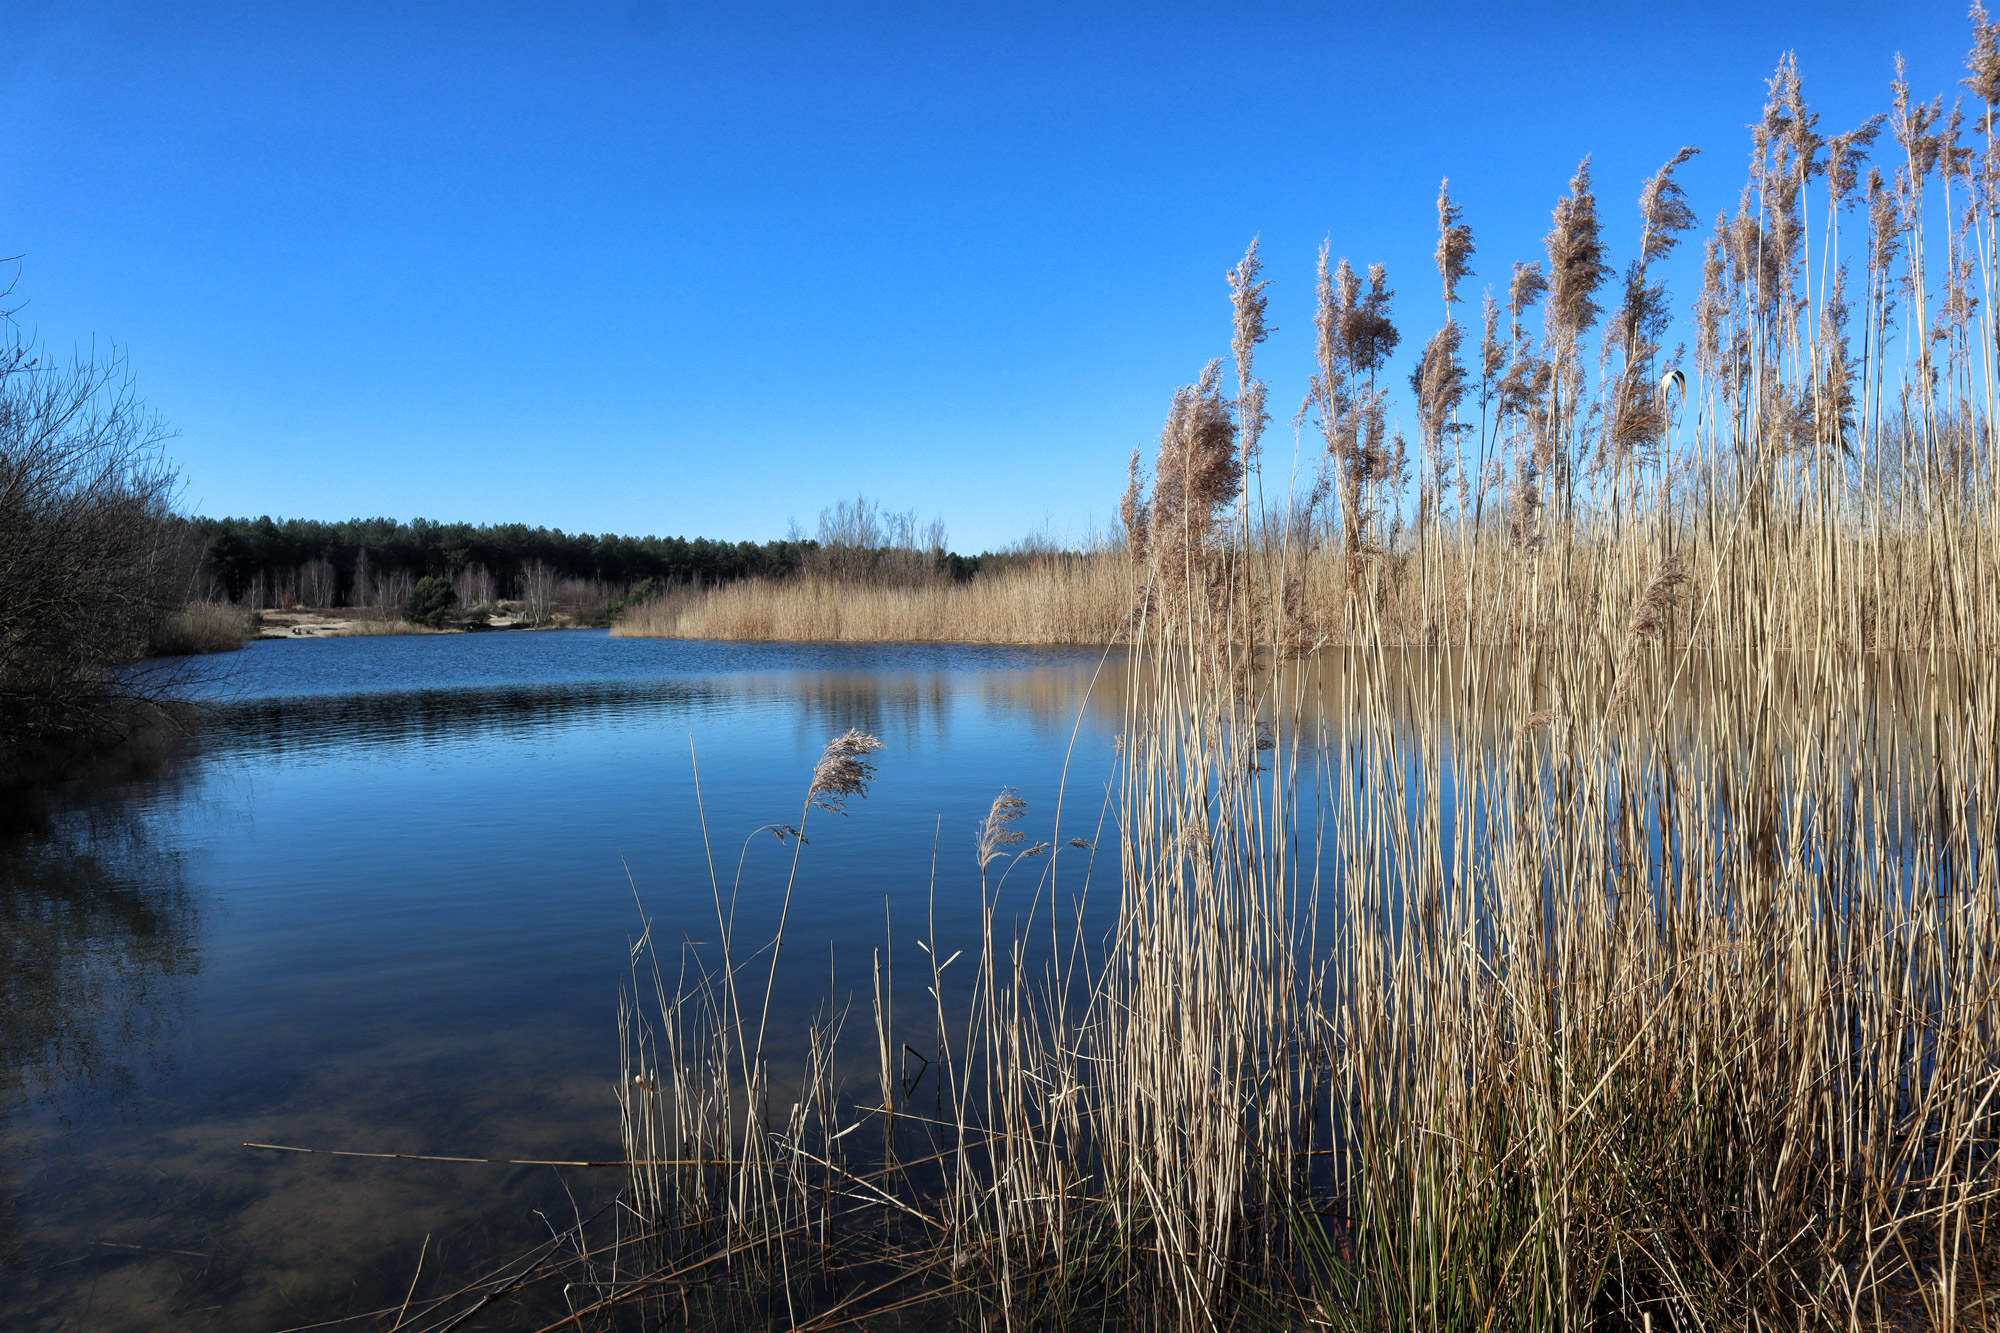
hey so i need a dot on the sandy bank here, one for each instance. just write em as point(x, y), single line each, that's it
point(303, 624)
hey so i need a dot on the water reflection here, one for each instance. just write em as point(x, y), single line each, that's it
point(99, 948)
point(1042, 697)
point(381, 904)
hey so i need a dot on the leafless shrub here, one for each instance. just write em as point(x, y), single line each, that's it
point(199, 627)
point(90, 556)
point(861, 542)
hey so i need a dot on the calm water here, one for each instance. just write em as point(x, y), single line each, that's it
point(382, 904)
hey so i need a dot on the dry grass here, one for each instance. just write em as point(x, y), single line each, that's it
point(1571, 1020)
point(1574, 918)
point(200, 627)
point(332, 624)
point(1079, 599)
point(365, 628)
point(1888, 588)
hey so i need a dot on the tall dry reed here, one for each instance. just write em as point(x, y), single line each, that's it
point(199, 627)
point(1568, 904)
point(1062, 599)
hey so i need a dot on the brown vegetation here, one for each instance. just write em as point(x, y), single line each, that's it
point(1563, 897)
point(341, 624)
point(878, 576)
point(1548, 905)
point(1071, 599)
point(92, 558)
point(200, 627)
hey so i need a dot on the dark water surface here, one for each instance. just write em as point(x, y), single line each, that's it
point(381, 904)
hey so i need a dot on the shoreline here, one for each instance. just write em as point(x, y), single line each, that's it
point(346, 623)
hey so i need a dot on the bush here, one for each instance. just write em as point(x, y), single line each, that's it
point(428, 602)
point(200, 627)
point(92, 557)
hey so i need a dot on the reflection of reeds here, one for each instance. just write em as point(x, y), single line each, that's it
point(1605, 939)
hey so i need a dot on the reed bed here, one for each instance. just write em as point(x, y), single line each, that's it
point(1085, 598)
point(1565, 901)
point(1568, 1021)
point(1887, 589)
point(199, 627)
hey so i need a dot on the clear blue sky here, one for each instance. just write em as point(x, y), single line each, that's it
point(697, 269)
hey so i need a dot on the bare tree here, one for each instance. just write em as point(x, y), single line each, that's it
point(474, 586)
point(392, 588)
point(538, 590)
point(361, 592)
point(859, 540)
point(317, 583)
point(92, 556)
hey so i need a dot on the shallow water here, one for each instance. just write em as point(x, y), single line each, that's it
point(382, 904)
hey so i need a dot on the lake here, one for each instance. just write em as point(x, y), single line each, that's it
point(383, 901)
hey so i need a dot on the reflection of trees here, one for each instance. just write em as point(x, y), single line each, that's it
point(437, 716)
point(99, 930)
point(902, 698)
point(97, 945)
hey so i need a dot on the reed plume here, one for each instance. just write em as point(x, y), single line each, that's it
point(997, 832)
point(1246, 294)
point(1577, 269)
point(1195, 474)
point(1636, 422)
point(1355, 338)
point(1439, 380)
point(1449, 987)
point(1132, 510)
point(843, 770)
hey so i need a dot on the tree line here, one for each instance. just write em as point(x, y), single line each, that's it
point(242, 554)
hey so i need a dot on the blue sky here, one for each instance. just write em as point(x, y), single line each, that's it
point(699, 269)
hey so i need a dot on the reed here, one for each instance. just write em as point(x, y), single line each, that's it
point(1061, 599)
point(199, 627)
point(1568, 901)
